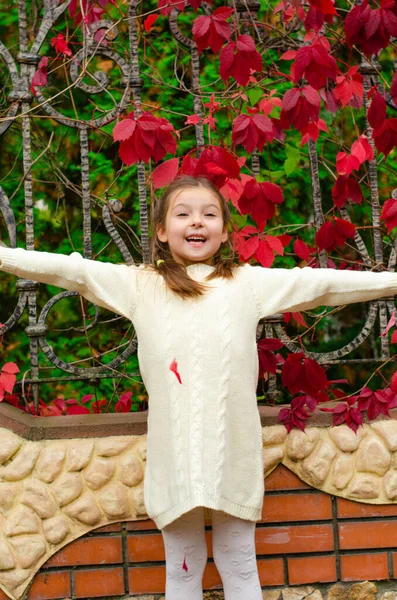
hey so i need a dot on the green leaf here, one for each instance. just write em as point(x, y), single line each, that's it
point(292, 160)
point(254, 94)
point(241, 220)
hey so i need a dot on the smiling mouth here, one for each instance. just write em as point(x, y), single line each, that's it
point(196, 240)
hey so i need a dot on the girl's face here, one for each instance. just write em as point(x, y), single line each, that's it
point(193, 212)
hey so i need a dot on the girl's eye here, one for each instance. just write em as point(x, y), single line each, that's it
point(210, 215)
point(182, 214)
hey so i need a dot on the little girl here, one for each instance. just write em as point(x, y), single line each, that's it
point(196, 313)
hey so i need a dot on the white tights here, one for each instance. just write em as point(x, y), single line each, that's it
point(234, 554)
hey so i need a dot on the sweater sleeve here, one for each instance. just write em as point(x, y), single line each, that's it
point(109, 285)
point(293, 290)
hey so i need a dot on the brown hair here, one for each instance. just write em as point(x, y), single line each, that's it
point(174, 273)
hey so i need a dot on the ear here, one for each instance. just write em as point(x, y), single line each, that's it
point(225, 235)
point(161, 233)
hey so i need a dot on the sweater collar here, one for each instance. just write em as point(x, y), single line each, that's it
point(199, 271)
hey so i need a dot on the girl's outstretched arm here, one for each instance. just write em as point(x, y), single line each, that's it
point(109, 285)
point(293, 290)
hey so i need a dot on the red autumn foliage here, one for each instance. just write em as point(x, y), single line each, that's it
point(215, 163)
point(144, 138)
point(385, 137)
point(149, 22)
point(7, 378)
point(303, 374)
point(259, 200)
point(301, 109)
point(213, 30)
point(267, 360)
point(377, 111)
point(313, 62)
point(239, 58)
point(349, 89)
point(40, 78)
point(345, 189)
point(296, 415)
point(61, 45)
point(249, 243)
point(370, 29)
point(334, 233)
point(252, 131)
point(360, 152)
point(389, 214)
point(302, 250)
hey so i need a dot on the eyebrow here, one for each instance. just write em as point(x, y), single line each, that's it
point(187, 206)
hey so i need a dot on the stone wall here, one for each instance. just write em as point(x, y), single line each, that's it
point(54, 491)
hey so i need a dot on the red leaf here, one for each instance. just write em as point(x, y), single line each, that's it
point(237, 59)
point(61, 45)
point(265, 254)
point(10, 367)
point(149, 21)
point(174, 369)
point(346, 189)
point(377, 111)
point(394, 337)
point(389, 214)
point(301, 250)
point(78, 410)
point(391, 323)
point(124, 129)
point(165, 173)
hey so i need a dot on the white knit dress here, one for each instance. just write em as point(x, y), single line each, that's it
point(204, 443)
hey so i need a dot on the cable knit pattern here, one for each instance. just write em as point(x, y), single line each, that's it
point(224, 379)
point(215, 458)
point(173, 397)
point(196, 399)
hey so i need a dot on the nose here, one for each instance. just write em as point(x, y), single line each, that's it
point(197, 221)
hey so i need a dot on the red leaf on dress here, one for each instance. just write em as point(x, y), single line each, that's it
point(174, 369)
point(184, 566)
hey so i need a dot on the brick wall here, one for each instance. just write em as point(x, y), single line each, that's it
point(304, 537)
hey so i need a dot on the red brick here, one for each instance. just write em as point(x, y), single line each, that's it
point(146, 580)
point(54, 584)
point(379, 534)
point(349, 509)
point(283, 479)
point(151, 580)
point(313, 569)
point(296, 507)
point(89, 551)
point(356, 567)
point(139, 525)
point(144, 548)
point(295, 538)
point(95, 583)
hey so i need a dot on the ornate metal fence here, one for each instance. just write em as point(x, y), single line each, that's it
point(25, 107)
